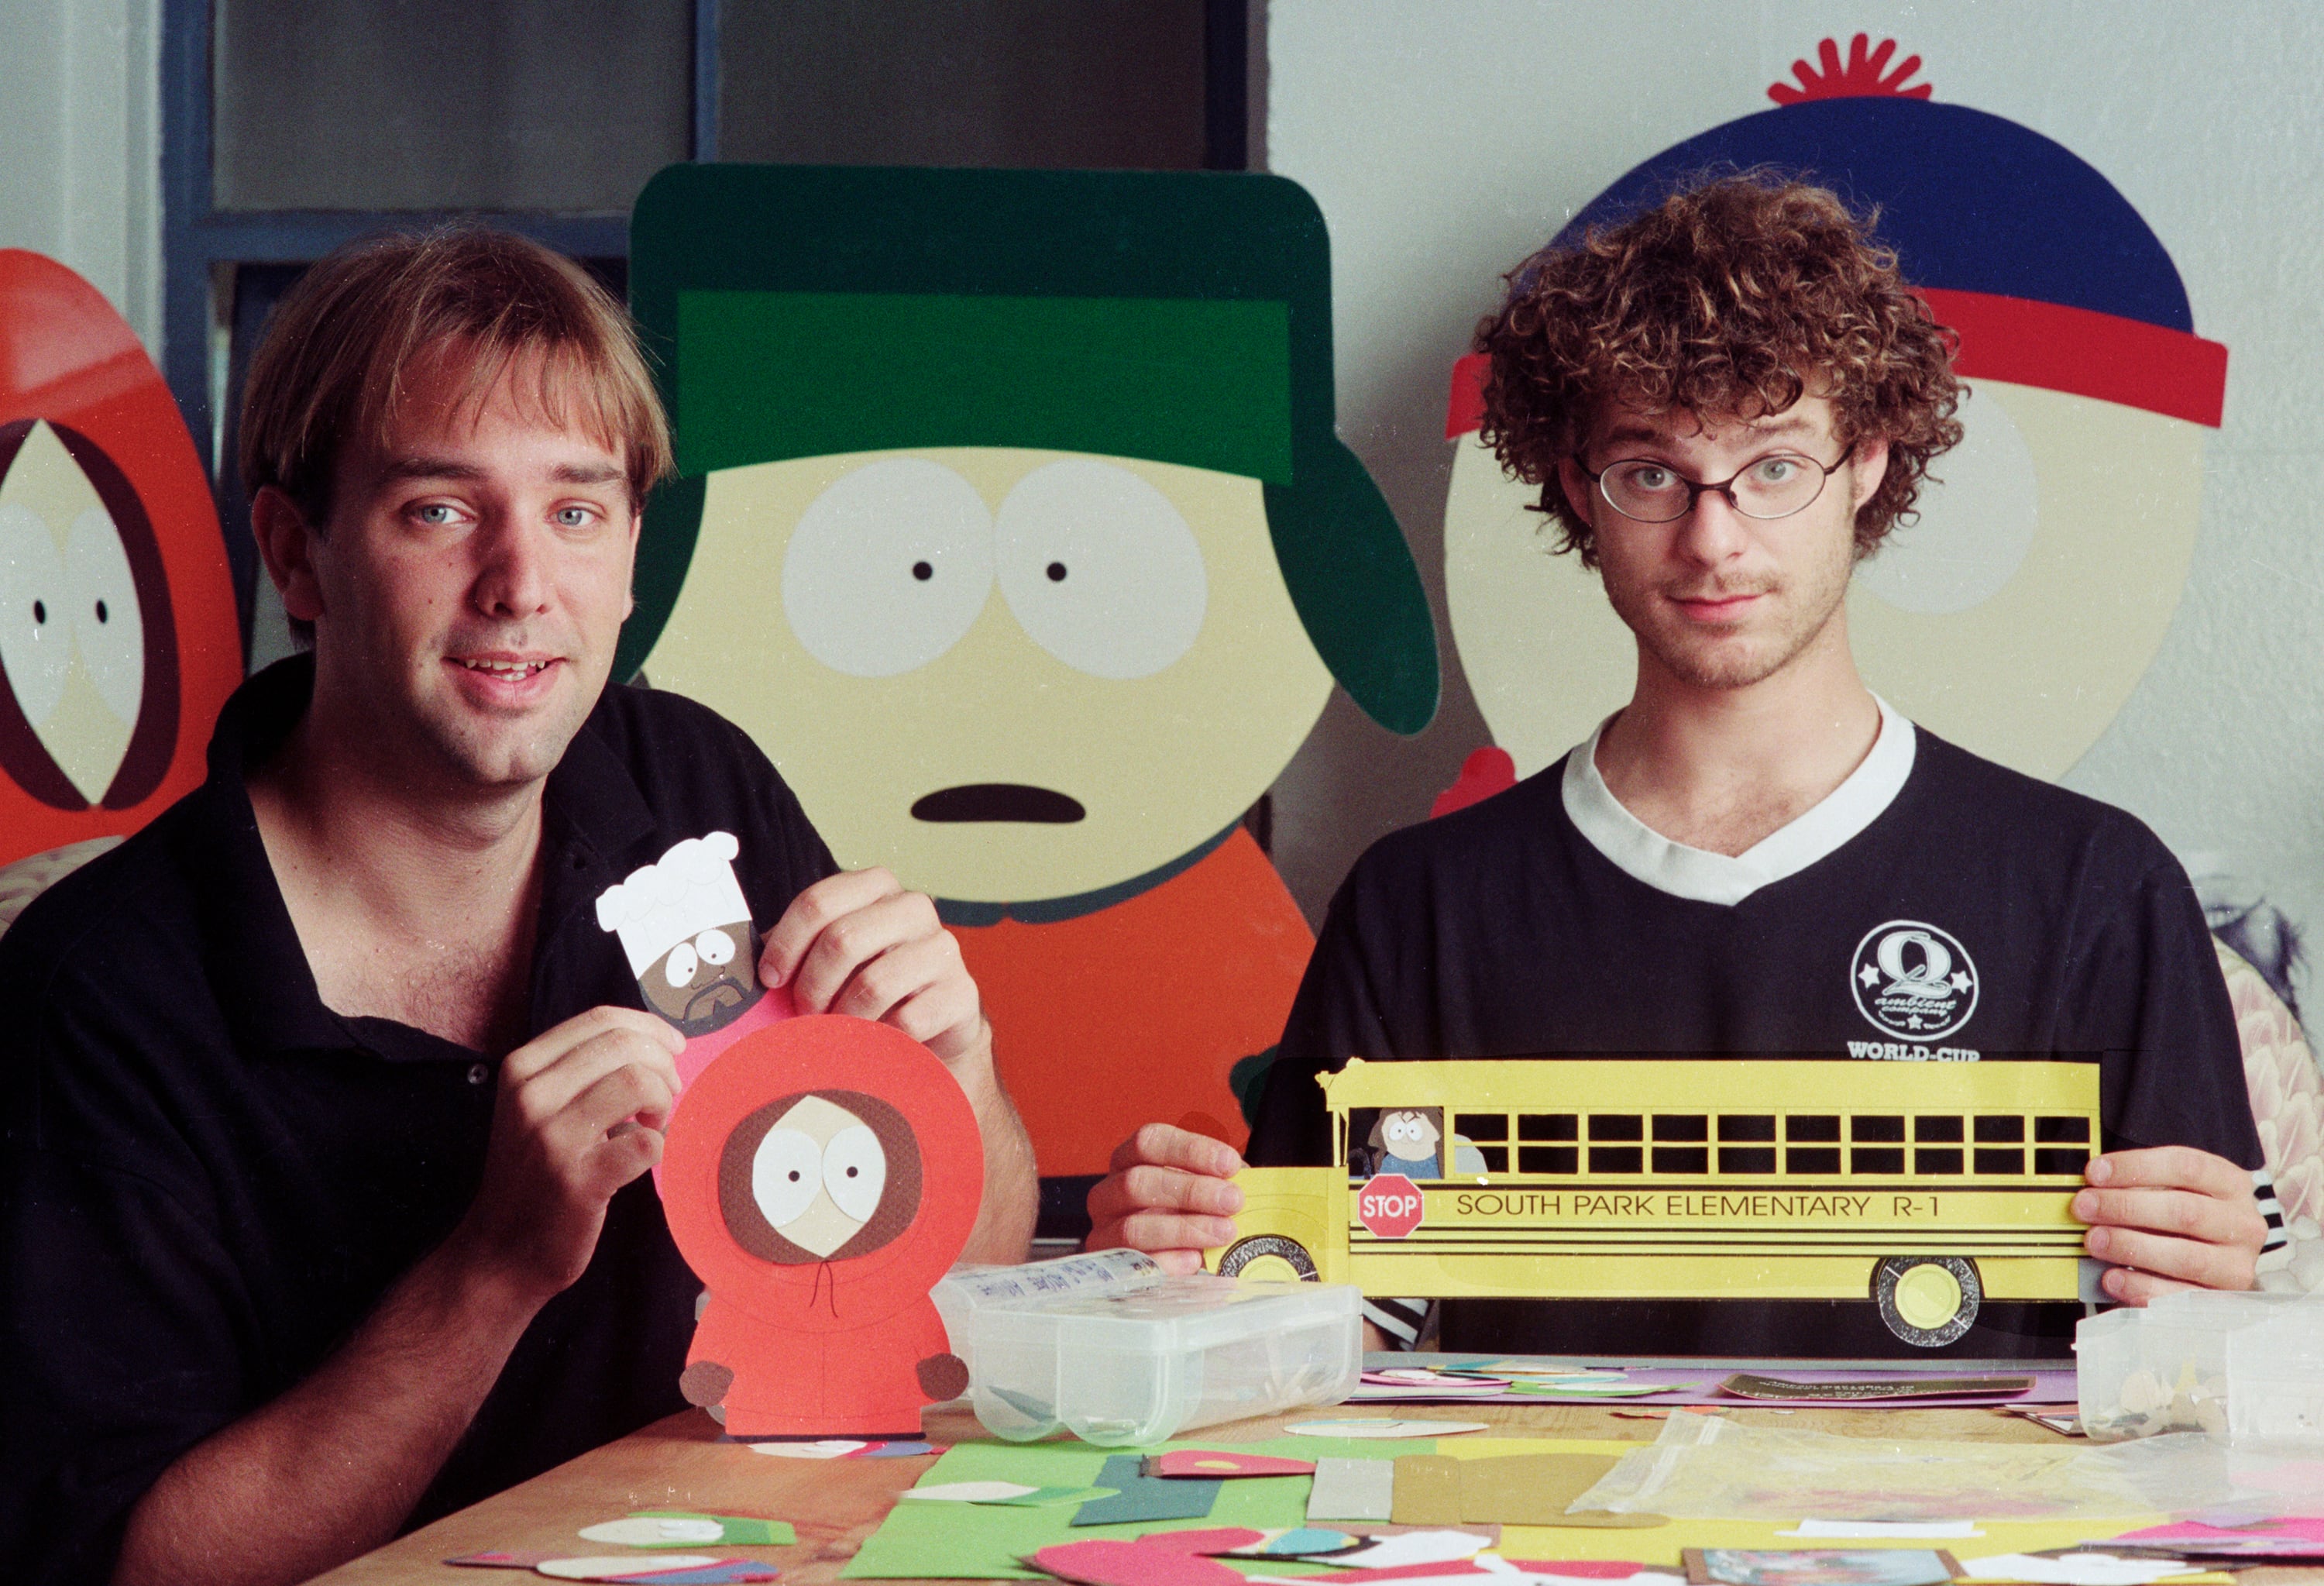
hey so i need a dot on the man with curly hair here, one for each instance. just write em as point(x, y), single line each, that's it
point(1726, 402)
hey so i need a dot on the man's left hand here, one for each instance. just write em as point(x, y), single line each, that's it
point(858, 943)
point(2169, 1218)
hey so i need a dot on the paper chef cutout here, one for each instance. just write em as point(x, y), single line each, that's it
point(820, 1178)
point(685, 926)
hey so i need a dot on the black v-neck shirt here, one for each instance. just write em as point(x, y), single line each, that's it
point(208, 1179)
point(1501, 930)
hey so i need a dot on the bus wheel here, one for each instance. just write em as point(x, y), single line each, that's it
point(1269, 1256)
point(1928, 1300)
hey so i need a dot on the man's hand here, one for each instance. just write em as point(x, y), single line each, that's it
point(1166, 1195)
point(580, 1113)
point(2169, 1218)
point(858, 943)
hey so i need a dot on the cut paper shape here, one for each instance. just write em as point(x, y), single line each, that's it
point(1046, 1497)
point(1107, 1562)
point(690, 1528)
point(1380, 1426)
point(1594, 1388)
point(906, 1449)
point(1352, 1490)
point(1225, 1462)
point(1413, 1547)
point(685, 1569)
point(1052, 495)
point(826, 1448)
point(819, 1177)
point(501, 1558)
point(1865, 1530)
point(120, 637)
point(1216, 1539)
point(969, 1492)
point(1427, 1491)
point(2088, 1567)
point(1139, 1497)
point(2290, 1536)
point(1730, 1234)
point(1536, 1490)
point(1751, 1384)
point(1306, 1542)
point(1818, 1567)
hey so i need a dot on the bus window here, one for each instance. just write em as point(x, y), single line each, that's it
point(1548, 1126)
point(1617, 1159)
point(1817, 1126)
point(1944, 1160)
point(1878, 1159)
point(2058, 1131)
point(1682, 1159)
point(2061, 1159)
point(1682, 1126)
point(1549, 1159)
point(1481, 1127)
point(1617, 1126)
point(1943, 1131)
point(1747, 1158)
point(1816, 1159)
point(1881, 1130)
point(1748, 1126)
point(1993, 1131)
point(1992, 1161)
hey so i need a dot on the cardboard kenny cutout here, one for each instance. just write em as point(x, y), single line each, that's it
point(2018, 615)
point(119, 639)
point(1011, 524)
point(819, 1177)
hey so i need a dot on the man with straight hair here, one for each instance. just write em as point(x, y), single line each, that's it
point(1726, 401)
point(324, 1208)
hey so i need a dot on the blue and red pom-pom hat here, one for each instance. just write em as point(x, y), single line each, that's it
point(2045, 270)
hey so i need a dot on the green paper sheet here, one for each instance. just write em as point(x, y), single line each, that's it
point(983, 1542)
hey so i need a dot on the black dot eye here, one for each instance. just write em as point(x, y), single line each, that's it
point(794, 1175)
point(100, 611)
point(40, 610)
point(851, 1173)
point(1056, 572)
point(923, 572)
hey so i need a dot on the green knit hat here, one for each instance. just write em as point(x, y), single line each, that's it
point(1177, 316)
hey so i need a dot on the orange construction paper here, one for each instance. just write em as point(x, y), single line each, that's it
point(828, 1334)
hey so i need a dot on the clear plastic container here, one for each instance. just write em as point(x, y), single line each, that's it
point(2275, 1375)
point(965, 1290)
point(1125, 1368)
point(2171, 1366)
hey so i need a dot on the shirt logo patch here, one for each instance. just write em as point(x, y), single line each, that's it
point(1913, 980)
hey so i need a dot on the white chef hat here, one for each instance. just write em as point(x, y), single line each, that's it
point(688, 889)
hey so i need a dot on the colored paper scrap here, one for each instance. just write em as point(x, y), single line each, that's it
point(1352, 1490)
point(1048, 1497)
point(1818, 1567)
point(824, 1448)
point(1427, 1491)
point(1865, 1530)
point(1539, 1490)
point(1241, 1541)
point(689, 1528)
point(1225, 1462)
point(1750, 1385)
point(1413, 1547)
point(1303, 1542)
point(1139, 1497)
point(1382, 1426)
point(502, 1558)
point(1109, 1562)
point(1206, 1540)
point(2088, 1567)
point(968, 1491)
point(2292, 1536)
point(684, 1568)
point(894, 1451)
point(1596, 1387)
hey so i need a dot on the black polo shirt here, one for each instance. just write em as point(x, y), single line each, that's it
point(208, 1179)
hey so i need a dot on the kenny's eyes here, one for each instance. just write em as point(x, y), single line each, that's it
point(1099, 569)
point(106, 615)
point(716, 946)
point(786, 1172)
point(855, 1171)
point(36, 617)
point(679, 968)
point(889, 567)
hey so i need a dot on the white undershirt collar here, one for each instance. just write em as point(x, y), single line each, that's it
point(1640, 852)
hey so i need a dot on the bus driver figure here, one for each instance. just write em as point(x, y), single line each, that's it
point(1726, 401)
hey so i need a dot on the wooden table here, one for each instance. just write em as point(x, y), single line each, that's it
point(836, 1504)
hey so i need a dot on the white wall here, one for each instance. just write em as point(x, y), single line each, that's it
point(1445, 141)
point(79, 99)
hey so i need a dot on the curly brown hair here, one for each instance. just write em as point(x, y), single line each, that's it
point(1730, 299)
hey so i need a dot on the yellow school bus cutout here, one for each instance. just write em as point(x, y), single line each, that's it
point(1926, 1187)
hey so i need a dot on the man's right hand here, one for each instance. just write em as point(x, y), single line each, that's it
point(1166, 1195)
point(580, 1113)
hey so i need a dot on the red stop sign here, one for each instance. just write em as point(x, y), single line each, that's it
point(1388, 1206)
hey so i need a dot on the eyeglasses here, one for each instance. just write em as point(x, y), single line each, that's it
point(1775, 487)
